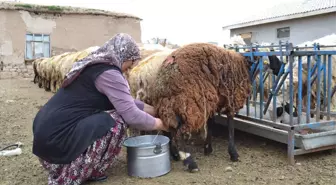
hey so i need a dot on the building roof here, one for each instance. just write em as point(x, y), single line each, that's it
point(286, 11)
point(62, 10)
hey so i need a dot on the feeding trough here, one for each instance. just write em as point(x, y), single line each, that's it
point(148, 156)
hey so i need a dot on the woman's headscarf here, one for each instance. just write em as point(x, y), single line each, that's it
point(115, 51)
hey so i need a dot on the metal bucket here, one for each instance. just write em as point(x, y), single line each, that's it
point(147, 159)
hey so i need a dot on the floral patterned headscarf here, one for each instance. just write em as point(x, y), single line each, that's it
point(118, 49)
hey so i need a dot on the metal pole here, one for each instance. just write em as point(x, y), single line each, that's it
point(329, 85)
point(291, 141)
point(300, 90)
point(308, 89)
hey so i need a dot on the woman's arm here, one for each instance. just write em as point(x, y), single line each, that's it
point(114, 86)
point(145, 107)
point(149, 109)
point(139, 104)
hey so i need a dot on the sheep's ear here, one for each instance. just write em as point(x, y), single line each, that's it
point(279, 111)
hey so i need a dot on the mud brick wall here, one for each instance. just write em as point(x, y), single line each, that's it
point(16, 71)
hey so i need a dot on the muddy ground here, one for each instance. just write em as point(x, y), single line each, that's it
point(262, 161)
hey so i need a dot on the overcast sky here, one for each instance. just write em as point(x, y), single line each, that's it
point(180, 21)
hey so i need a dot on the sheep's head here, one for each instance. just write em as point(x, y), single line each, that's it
point(248, 62)
point(284, 109)
point(255, 58)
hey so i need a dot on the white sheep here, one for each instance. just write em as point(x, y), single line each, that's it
point(142, 76)
point(66, 63)
point(50, 72)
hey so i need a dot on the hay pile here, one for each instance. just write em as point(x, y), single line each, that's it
point(197, 80)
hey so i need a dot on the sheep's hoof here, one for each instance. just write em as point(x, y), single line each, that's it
point(176, 157)
point(233, 153)
point(175, 154)
point(193, 168)
point(234, 158)
point(207, 149)
point(191, 164)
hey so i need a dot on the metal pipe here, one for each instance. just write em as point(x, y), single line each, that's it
point(300, 90)
point(258, 54)
point(311, 53)
point(274, 100)
point(329, 85)
point(261, 85)
point(308, 89)
point(248, 47)
point(265, 122)
point(318, 106)
point(291, 139)
point(324, 82)
point(275, 89)
point(325, 113)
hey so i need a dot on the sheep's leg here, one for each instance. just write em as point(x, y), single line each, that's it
point(208, 144)
point(47, 85)
point(172, 147)
point(52, 86)
point(187, 158)
point(232, 148)
point(39, 82)
point(178, 155)
point(53, 83)
point(43, 83)
point(35, 78)
point(58, 84)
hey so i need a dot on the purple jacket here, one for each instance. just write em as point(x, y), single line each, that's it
point(116, 88)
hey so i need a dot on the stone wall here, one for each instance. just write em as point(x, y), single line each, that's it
point(16, 71)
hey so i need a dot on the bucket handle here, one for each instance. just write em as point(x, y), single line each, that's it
point(157, 149)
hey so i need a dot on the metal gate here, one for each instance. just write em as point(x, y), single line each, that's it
point(305, 75)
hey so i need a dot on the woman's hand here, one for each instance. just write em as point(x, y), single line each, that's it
point(149, 109)
point(160, 126)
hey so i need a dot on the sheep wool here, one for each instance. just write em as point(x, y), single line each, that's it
point(50, 72)
point(197, 80)
point(141, 78)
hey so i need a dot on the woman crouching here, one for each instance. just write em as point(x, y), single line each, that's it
point(79, 132)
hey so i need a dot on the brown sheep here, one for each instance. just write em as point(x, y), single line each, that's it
point(194, 82)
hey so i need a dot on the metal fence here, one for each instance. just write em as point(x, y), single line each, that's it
point(304, 129)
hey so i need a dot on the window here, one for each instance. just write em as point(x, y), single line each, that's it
point(37, 46)
point(247, 37)
point(283, 32)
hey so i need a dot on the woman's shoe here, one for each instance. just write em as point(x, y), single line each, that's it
point(96, 176)
point(98, 179)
